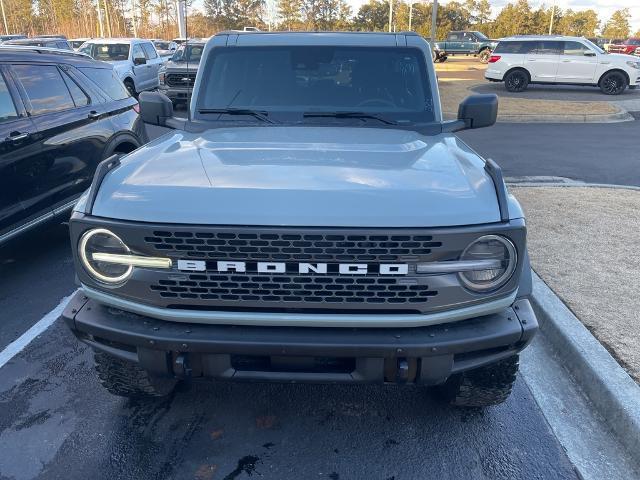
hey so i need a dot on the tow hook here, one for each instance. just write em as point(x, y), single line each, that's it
point(402, 375)
point(182, 368)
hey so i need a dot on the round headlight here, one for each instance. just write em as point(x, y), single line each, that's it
point(101, 240)
point(496, 252)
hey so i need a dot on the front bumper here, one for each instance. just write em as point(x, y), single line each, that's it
point(176, 93)
point(422, 355)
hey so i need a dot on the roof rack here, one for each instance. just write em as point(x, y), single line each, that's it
point(31, 48)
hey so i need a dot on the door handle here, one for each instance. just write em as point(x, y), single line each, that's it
point(93, 115)
point(18, 137)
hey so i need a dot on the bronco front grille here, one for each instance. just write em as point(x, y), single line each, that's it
point(332, 289)
point(292, 246)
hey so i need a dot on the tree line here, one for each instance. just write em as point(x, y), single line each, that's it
point(158, 18)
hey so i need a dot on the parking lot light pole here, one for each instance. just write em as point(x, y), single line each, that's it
point(390, 13)
point(434, 17)
point(4, 18)
point(553, 13)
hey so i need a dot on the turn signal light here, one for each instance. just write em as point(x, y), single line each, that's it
point(494, 58)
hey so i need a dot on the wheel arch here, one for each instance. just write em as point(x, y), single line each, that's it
point(513, 69)
point(619, 70)
point(122, 142)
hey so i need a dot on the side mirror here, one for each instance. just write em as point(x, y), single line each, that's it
point(155, 108)
point(589, 53)
point(139, 61)
point(478, 111)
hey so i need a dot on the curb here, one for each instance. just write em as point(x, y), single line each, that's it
point(621, 116)
point(575, 184)
point(614, 394)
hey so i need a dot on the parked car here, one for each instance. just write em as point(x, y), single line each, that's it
point(608, 43)
point(48, 42)
point(76, 43)
point(467, 43)
point(62, 113)
point(631, 46)
point(179, 40)
point(6, 38)
point(178, 75)
point(314, 219)
point(165, 48)
point(136, 61)
point(520, 61)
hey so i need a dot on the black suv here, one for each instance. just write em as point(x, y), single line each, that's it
point(60, 115)
point(47, 41)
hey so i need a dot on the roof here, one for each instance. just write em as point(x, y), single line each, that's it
point(262, 33)
point(11, 53)
point(541, 37)
point(118, 40)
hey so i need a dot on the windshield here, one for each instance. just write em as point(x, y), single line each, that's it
point(481, 36)
point(192, 53)
point(594, 46)
point(162, 45)
point(633, 41)
point(391, 82)
point(107, 52)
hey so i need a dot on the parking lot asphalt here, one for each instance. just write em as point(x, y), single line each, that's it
point(557, 92)
point(57, 422)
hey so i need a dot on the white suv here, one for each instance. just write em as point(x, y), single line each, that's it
point(521, 60)
point(136, 61)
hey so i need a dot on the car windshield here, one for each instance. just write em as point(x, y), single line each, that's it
point(388, 83)
point(191, 53)
point(107, 52)
point(594, 46)
point(481, 36)
point(162, 45)
point(633, 41)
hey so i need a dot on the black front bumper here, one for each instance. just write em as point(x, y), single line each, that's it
point(424, 355)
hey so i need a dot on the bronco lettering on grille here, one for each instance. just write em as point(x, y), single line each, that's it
point(301, 268)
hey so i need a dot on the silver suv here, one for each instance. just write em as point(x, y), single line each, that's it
point(313, 219)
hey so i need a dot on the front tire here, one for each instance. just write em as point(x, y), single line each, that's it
point(131, 88)
point(613, 83)
point(516, 81)
point(484, 55)
point(127, 379)
point(481, 387)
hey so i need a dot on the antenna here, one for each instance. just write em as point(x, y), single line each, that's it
point(186, 52)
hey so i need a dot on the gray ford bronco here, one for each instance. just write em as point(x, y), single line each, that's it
point(313, 219)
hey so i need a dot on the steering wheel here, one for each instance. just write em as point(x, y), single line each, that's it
point(378, 101)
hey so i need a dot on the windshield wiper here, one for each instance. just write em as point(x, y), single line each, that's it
point(239, 111)
point(363, 115)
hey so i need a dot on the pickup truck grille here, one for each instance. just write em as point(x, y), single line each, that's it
point(292, 246)
point(180, 79)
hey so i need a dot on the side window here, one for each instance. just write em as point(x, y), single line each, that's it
point(107, 81)
point(137, 52)
point(546, 47)
point(574, 48)
point(79, 97)
point(510, 47)
point(469, 37)
point(7, 107)
point(45, 88)
point(454, 37)
point(149, 51)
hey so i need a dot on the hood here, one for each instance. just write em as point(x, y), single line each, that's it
point(621, 57)
point(301, 176)
point(182, 66)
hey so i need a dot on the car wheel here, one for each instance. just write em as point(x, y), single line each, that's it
point(434, 56)
point(485, 55)
point(131, 88)
point(127, 379)
point(516, 81)
point(613, 83)
point(442, 58)
point(481, 387)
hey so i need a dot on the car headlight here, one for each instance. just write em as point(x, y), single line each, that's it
point(161, 77)
point(633, 64)
point(107, 259)
point(495, 252)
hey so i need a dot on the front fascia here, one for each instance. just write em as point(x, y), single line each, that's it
point(450, 301)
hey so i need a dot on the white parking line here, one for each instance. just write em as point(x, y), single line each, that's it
point(27, 337)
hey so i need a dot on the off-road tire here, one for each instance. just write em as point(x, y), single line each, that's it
point(613, 83)
point(481, 387)
point(126, 379)
point(484, 55)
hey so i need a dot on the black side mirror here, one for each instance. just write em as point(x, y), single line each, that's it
point(139, 61)
point(478, 111)
point(589, 53)
point(155, 108)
